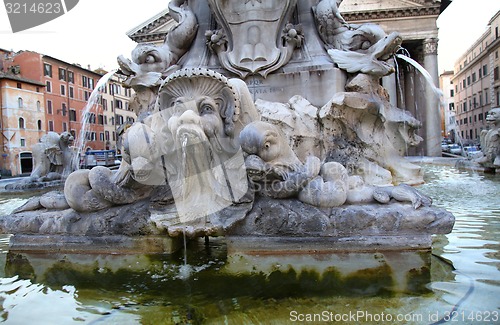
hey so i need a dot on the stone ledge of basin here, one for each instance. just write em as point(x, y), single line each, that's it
point(33, 188)
point(113, 244)
point(128, 220)
point(296, 219)
point(256, 245)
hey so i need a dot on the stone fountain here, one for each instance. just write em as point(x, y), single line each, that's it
point(260, 121)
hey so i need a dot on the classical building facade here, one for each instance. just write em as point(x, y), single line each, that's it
point(67, 90)
point(40, 93)
point(477, 83)
point(22, 122)
point(448, 118)
point(117, 112)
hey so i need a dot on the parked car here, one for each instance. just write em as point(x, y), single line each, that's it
point(444, 146)
point(472, 152)
point(455, 149)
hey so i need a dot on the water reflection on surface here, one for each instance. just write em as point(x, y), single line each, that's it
point(461, 277)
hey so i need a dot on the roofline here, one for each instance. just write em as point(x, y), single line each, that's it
point(146, 23)
point(494, 17)
point(15, 78)
point(71, 64)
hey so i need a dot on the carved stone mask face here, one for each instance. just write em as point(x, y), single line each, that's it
point(493, 115)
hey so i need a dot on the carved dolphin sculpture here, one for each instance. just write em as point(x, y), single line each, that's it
point(370, 61)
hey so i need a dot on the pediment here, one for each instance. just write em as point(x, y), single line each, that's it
point(154, 29)
point(377, 5)
point(366, 10)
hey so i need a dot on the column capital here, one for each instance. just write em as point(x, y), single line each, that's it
point(430, 46)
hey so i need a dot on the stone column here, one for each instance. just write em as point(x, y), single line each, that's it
point(389, 83)
point(432, 116)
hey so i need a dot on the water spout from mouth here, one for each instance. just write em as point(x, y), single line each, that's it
point(425, 73)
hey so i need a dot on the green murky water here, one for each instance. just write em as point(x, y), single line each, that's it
point(459, 281)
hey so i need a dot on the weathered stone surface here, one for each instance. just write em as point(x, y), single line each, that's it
point(129, 220)
point(291, 218)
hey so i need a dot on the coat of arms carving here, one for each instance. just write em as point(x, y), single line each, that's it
point(266, 38)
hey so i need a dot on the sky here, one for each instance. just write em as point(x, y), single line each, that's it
point(94, 32)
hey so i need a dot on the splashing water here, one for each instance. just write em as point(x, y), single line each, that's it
point(93, 101)
point(425, 73)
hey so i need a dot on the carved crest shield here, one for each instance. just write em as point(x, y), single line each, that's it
point(253, 33)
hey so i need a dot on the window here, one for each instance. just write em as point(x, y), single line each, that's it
point(63, 109)
point(473, 77)
point(47, 70)
point(84, 81)
point(90, 117)
point(486, 101)
point(72, 115)
point(38, 105)
point(452, 93)
point(104, 104)
point(91, 83)
point(475, 118)
point(62, 74)
point(23, 142)
point(101, 136)
point(463, 83)
point(48, 86)
point(71, 92)
point(465, 106)
point(100, 119)
point(39, 125)
point(480, 117)
point(495, 74)
point(451, 106)
point(106, 135)
point(468, 81)
point(86, 95)
point(118, 104)
point(485, 70)
point(21, 123)
point(480, 73)
point(20, 102)
point(19, 85)
point(71, 77)
point(63, 90)
point(64, 127)
point(91, 136)
point(465, 120)
point(49, 107)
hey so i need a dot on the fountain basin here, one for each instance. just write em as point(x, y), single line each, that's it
point(271, 225)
